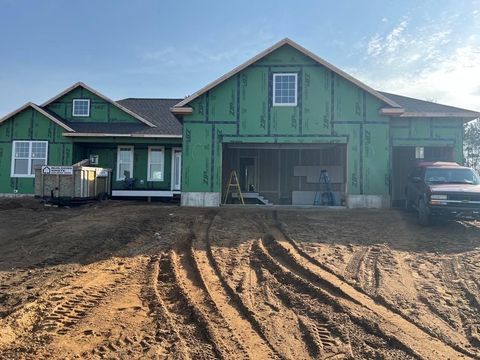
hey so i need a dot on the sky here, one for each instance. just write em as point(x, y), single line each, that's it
point(170, 49)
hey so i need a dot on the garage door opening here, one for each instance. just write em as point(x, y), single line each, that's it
point(404, 159)
point(286, 174)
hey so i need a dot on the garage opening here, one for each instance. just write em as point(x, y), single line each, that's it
point(404, 159)
point(286, 174)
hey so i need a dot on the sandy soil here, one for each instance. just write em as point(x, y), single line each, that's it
point(127, 280)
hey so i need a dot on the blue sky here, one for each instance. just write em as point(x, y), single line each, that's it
point(426, 49)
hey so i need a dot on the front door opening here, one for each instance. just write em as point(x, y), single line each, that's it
point(248, 174)
point(176, 169)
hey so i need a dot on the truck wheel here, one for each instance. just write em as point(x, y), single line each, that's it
point(423, 213)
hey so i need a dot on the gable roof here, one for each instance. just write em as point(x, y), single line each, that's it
point(74, 86)
point(306, 52)
point(157, 111)
point(421, 108)
point(41, 111)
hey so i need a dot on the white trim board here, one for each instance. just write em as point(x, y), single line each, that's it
point(271, 49)
point(123, 135)
point(150, 193)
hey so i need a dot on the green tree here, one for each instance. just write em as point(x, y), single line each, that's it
point(472, 144)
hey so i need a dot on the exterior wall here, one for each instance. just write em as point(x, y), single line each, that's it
point(429, 132)
point(100, 110)
point(30, 125)
point(330, 109)
point(106, 149)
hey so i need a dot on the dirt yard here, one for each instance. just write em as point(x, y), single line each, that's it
point(150, 281)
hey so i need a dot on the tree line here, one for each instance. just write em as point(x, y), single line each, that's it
point(471, 145)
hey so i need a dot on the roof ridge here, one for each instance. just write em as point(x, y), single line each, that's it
point(301, 49)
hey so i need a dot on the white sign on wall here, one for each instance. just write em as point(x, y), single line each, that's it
point(57, 170)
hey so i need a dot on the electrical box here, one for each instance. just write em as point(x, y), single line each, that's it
point(93, 159)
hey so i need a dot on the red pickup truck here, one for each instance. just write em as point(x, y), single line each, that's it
point(443, 190)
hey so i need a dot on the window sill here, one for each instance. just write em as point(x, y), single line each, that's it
point(285, 105)
point(22, 176)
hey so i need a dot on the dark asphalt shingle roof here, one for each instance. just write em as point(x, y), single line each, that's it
point(412, 105)
point(112, 128)
point(157, 111)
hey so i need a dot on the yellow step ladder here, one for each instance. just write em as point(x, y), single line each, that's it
point(233, 183)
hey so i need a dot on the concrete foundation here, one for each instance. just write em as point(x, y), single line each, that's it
point(200, 199)
point(9, 195)
point(368, 201)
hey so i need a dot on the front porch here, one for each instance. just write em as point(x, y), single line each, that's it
point(140, 167)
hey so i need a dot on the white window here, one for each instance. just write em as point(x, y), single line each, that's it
point(124, 162)
point(26, 155)
point(81, 107)
point(285, 89)
point(155, 163)
point(419, 152)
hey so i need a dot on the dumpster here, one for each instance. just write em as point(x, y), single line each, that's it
point(78, 183)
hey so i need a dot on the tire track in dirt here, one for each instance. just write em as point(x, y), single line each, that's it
point(191, 280)
point(186, 320)
point(467, 310)
point(255, 346)
point(315, 329)
point(167, 334)
point(449, 335)
point(392, 324)
point(353, 268)
point(471, 286)
point(250, 329)
point(58, 312)
point(70, 307)
point(305, 297)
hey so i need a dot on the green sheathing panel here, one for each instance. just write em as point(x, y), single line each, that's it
point(198, 159)
point(30, 125)
point(253, 101)
point(100, 110)
point(376, 159)
point(330, 109)
point(106, 149)
point(429, 132)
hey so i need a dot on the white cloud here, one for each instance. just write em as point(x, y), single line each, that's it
point(453, 80)
point(379, 45)
point(436, 58)
point(395, 39)
point(374, 47)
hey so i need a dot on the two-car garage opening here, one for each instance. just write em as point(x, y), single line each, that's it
point(286, 174)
